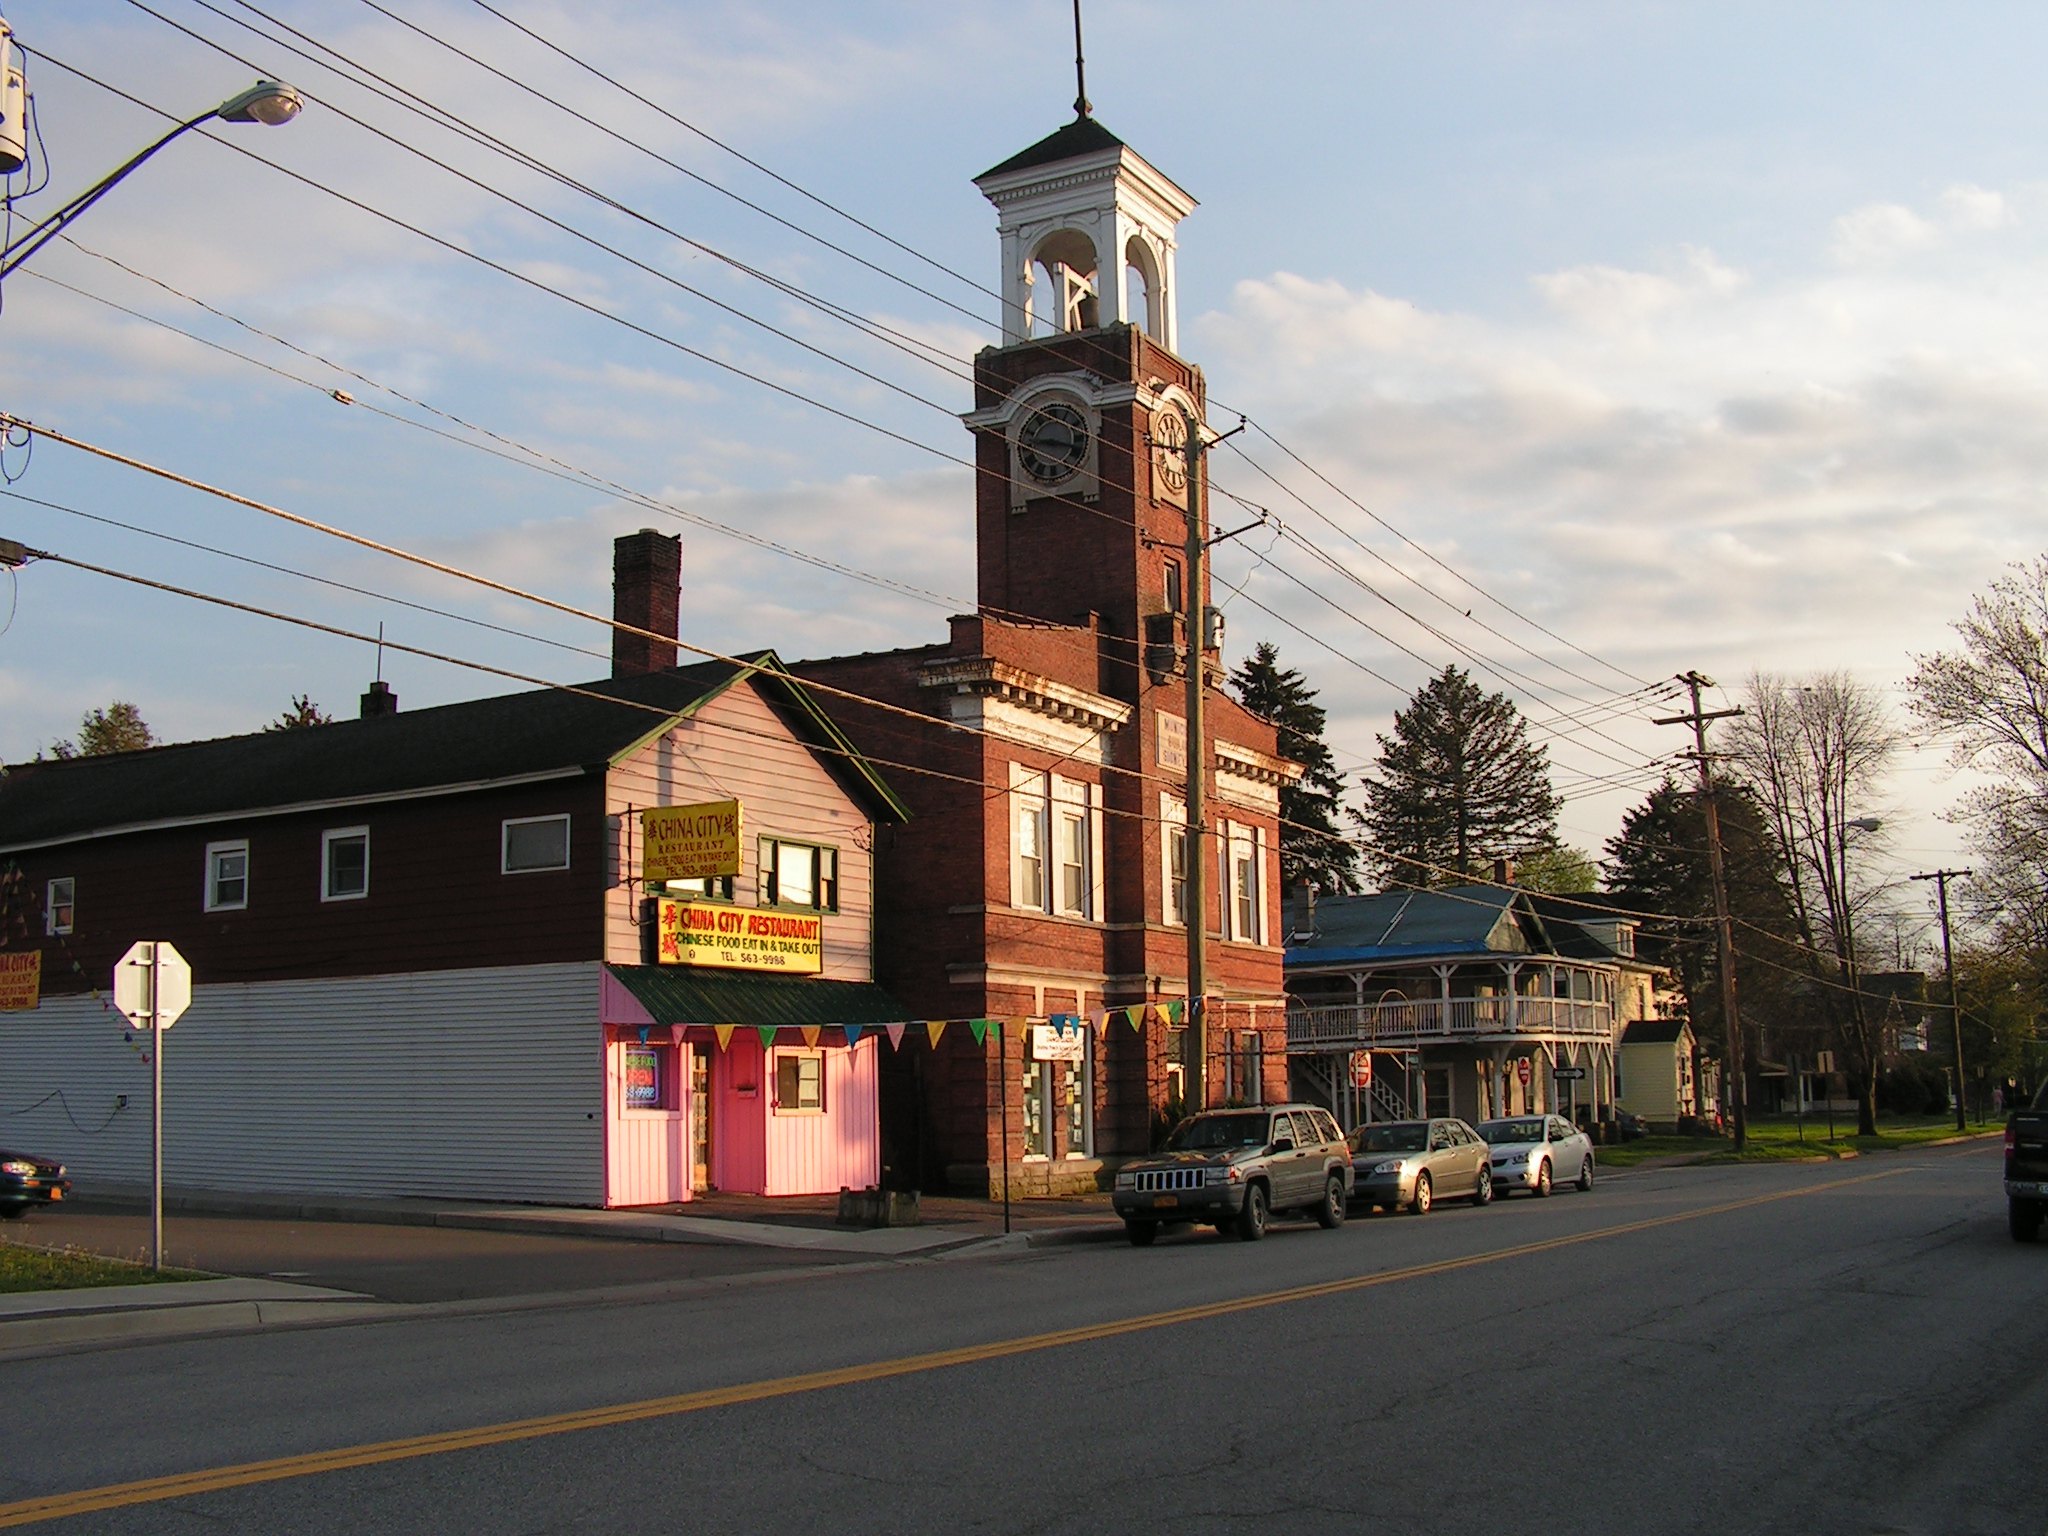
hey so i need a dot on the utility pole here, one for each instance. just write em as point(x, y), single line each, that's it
point(1195, 621)
point(1941, 878)
point(1724, 923)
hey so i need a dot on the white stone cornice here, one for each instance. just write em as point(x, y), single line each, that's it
point(1260, 767)
point(984, 677)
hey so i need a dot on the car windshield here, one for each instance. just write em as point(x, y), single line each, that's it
point(1404, 1137)
point(1498, 1131)
point(1210, 1133)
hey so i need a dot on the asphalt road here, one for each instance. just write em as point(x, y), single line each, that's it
point(399, 1263)
point(1853, 1348)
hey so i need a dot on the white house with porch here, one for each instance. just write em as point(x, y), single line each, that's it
point(1478, 1001)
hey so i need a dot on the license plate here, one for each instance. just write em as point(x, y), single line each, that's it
point(56, 1194)
point(1165, 1200)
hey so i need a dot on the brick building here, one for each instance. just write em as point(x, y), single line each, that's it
point(1042, 874)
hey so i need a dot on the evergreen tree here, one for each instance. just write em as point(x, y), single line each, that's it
point(1458, 785)
point(117, 728)
point(1311, 848)
point(1561, 871)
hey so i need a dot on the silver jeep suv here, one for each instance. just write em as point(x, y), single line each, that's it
point(1234, 1168)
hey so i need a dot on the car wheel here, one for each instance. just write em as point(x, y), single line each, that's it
point(1251, 1221)
point(1141, 1233)
point(1585, 1181)
point(1423, 1200)
point(12, 1212)
point(1482, 1194)
point(2023, 1217)
point(1331, 1212)
point(1542, 1184)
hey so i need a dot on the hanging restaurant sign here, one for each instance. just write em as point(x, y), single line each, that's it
point(21, 979)
point(717, 933)
point(690, 842)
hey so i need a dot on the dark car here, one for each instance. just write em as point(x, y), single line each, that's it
point(1233, 1168)
point(26, 1180)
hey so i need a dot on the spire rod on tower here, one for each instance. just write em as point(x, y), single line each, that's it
point(1081, 104)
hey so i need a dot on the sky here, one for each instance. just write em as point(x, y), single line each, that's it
point(1659, 337)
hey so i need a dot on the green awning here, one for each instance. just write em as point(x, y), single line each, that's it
point(679, 994)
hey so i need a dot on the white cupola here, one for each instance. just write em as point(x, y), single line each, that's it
point(1087, 228)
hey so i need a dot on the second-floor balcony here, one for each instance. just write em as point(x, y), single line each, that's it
point(1402, 1023)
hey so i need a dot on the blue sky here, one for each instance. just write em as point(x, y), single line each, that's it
point(1701, 336)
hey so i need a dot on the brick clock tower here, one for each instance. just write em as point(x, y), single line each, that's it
point(1041, 877)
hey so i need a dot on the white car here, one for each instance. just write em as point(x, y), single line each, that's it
point(1537, 1152)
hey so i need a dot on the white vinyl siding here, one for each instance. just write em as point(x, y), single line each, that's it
point(738, 745)
point(482, 1084)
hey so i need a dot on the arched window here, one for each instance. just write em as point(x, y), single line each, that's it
point(1062, 284)
point(1141, 287)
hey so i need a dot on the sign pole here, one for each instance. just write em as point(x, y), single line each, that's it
point(156, 1112)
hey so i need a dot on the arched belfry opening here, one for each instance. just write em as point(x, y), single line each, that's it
point(1064, 295)
point(1087, 228)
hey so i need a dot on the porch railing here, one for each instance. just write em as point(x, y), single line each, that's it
point(1423, 1021)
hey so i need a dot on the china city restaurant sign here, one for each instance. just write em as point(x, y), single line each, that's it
point(690, 842)
point(717, 933)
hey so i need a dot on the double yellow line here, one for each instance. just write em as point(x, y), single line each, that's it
point(217, 1479)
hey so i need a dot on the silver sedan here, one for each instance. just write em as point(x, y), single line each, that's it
point(1533, 1152)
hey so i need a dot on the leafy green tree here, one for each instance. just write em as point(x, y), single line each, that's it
point(1560, 870)
point(304, 712)
point(1311, 848)
point(1458, 784)
point(117, 728)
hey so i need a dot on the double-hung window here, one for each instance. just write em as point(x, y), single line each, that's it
point(1173, 860)
point(799, 875)
point(227, 876)
point(529, 843)
point(1242, 854)
point(345, 864)
point(1055, 844)
point(60, 905)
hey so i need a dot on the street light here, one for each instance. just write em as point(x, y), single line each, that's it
point(267, 102)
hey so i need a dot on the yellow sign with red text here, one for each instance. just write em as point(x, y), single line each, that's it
point(21, 980)
point(690, 842)
point(738, 938)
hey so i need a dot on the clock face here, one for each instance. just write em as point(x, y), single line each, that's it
point(1053, 443)
point(1170, 440)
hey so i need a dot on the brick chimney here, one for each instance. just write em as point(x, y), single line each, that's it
point(647, 580)
point(380, 700)
point(1503, 871)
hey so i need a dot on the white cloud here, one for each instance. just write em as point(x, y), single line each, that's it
point(1880, 231)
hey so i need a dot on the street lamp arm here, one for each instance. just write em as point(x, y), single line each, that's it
point(266, 102)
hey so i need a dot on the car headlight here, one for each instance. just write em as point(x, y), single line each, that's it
point(1127, 1181)
point(20, 1167)
point(1393, 1167)
point(1517, 1157)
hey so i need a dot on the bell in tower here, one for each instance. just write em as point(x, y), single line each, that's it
point(1087, 229)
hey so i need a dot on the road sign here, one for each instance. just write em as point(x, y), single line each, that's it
point(1361, 1069)
point(1522, 1069)
point(1571, 1074)
point(152, 981)
point(1824, 1063)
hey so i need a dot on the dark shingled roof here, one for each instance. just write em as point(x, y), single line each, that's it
point(1083, 136)
point(1653, 1031)
point(482, 740)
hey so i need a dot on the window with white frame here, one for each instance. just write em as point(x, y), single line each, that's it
point(60, 905)
point(227, 876)
point(1077, 1099)
point(1055, 844)
point(799, 875)
point(529, 843)
point(1242, 851)
point(1173, 861)
point(345, 864)
point(1036, 1105)
point(799, 1082)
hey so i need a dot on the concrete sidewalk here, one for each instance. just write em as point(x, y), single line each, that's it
point(951, 1227)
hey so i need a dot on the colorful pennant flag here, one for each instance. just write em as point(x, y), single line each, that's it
point(853, 1032)
point(980, 1029)
point(935, 1028)
point(767, 1034)
point(810, 1032)
point(895, 1034)
point(724, 1033)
